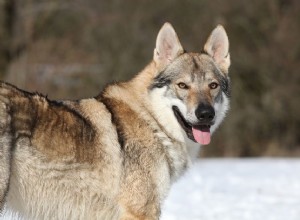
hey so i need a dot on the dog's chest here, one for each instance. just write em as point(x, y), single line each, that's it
point(176, 155)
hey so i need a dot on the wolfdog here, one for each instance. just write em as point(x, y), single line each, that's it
point(116, 155)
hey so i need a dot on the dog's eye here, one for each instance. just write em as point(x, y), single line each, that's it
point(213, 85)
point(182, 85)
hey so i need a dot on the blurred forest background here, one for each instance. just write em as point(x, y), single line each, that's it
point(70, 49)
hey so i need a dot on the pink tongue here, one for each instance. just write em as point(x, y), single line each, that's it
point(202, 137)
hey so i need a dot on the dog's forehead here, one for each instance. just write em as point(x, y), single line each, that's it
point(195, 64)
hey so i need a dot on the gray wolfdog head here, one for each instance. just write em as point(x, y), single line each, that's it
point(194, 85)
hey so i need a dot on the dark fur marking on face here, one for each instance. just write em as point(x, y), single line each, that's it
point(160, 81)
point(196, 66)
point(219, 97)
point(224, 83)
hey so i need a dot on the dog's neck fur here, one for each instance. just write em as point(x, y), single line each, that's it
point(138, 90)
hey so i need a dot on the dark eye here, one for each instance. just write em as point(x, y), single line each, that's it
point(213, 85)
point(182, 85)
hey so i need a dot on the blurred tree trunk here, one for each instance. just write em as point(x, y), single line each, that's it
point(7, 18)
point(15, 32)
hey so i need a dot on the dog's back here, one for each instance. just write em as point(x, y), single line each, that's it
point(52, 156)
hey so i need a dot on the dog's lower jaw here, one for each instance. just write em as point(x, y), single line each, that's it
point(164, 114)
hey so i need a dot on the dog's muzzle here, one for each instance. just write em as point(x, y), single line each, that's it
point(205, 114)
point(200, 131)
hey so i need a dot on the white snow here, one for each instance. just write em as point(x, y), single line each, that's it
point(236, 189)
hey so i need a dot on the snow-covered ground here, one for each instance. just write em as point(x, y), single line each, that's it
point(236, 189)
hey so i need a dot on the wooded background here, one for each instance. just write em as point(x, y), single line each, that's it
point(71, 49)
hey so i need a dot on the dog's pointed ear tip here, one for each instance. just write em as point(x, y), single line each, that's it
point(220, 28)
point(167, 25)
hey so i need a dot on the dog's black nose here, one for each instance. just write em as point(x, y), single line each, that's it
point(205, 113)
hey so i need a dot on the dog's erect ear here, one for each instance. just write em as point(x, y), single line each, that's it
point(167, 47)
point(217, 46)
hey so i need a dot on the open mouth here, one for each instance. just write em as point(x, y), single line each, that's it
point(199, 133)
